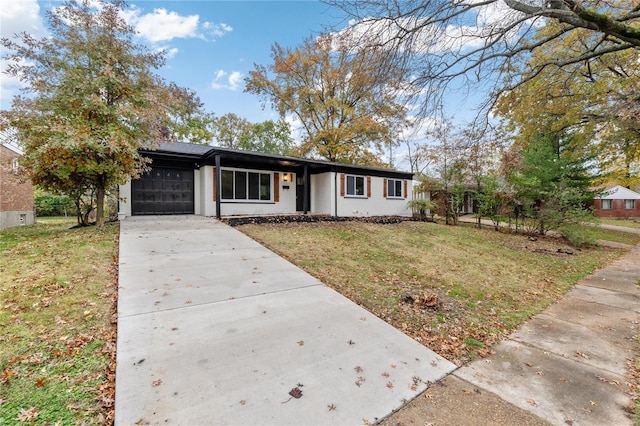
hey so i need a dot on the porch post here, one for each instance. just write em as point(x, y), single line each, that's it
point(307, 187)
point(218, 186)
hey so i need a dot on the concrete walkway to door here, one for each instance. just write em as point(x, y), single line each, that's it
point(213, 328)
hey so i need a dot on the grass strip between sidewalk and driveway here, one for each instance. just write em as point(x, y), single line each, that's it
point(475, 285)
point(57, 323)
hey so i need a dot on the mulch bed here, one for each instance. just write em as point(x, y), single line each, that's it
point(245, 220)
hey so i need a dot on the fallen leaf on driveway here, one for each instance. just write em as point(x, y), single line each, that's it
point(157, 382)
point(532, 401)
point(296, 393)
point(301, 342)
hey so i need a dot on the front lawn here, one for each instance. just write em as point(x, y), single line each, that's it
point(469, 286)
point(57, 330)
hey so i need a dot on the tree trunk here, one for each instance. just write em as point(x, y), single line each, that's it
point(100, 206)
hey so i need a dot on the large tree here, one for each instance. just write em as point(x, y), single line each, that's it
point(588, 99)
point(344, 97)
point(470, 44)
point(91, 100)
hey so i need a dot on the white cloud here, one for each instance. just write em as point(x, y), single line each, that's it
point(169, 52)
point(486, 21)
point(18, 16)
point(162, 25)
point(235, 80)
point(224, 80)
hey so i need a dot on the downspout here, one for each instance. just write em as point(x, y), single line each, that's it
point(218, 186)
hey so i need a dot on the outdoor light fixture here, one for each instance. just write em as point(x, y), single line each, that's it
point(285, 177)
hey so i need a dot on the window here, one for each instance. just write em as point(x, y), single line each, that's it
point(394, 188)
point(629, 204)
point(606, 205)
point(355, 186)
point(15, 164)
point(242, 185)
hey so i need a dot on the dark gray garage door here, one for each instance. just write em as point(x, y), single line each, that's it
point(163, 191)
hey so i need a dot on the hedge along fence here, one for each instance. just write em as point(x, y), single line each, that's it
point(54, 205)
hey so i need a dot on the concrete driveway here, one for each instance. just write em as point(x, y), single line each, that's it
point(213, 328)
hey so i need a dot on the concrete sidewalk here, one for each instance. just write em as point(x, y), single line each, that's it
point(567, 366)
point(215, 329)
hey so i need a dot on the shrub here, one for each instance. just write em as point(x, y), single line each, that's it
point(53, 205)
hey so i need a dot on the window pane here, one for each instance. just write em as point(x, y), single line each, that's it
point(359, 185)
point(606, 204)
point(398, 192)
point(390, 188)
point(629, 204)
point(265, 186)
point(351, 185)
point(241, 186)
point(227, 185)
point(254, 186)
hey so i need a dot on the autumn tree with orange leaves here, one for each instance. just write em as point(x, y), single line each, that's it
point(344, 97)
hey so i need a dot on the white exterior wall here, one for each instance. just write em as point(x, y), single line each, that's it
point(124, 203)
point(377, 204)
point(323, 194)
point(207, 202)
point(285, 205)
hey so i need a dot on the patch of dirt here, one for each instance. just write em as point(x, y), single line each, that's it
point(454, 401)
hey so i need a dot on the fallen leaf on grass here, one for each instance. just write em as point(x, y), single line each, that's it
point(27, 415)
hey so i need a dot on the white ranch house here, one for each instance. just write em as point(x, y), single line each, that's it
point(219, 182)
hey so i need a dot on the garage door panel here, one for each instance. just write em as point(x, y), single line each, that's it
point(163, 191)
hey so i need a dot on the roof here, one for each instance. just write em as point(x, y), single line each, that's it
point(619, 193)
point(205, 155)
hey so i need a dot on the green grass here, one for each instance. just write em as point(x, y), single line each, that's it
point(487, 282)
point(615, 236)
point(628, 223)
point(57, 287)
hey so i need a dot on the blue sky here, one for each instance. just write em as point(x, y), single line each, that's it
point(211, 45)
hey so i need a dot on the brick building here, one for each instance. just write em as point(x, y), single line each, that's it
point(16, 193)
point(618, 202)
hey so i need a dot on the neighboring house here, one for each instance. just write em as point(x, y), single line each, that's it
point(16, 193)
point(211, 181)
point(468, 205)
point(617, 202)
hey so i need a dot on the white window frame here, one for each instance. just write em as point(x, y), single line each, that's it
point(395, 183)
point(355, 186)
point(632, 202)
point(609, 204)
point(260, 173)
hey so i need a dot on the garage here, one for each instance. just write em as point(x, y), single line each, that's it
point(163, 191)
